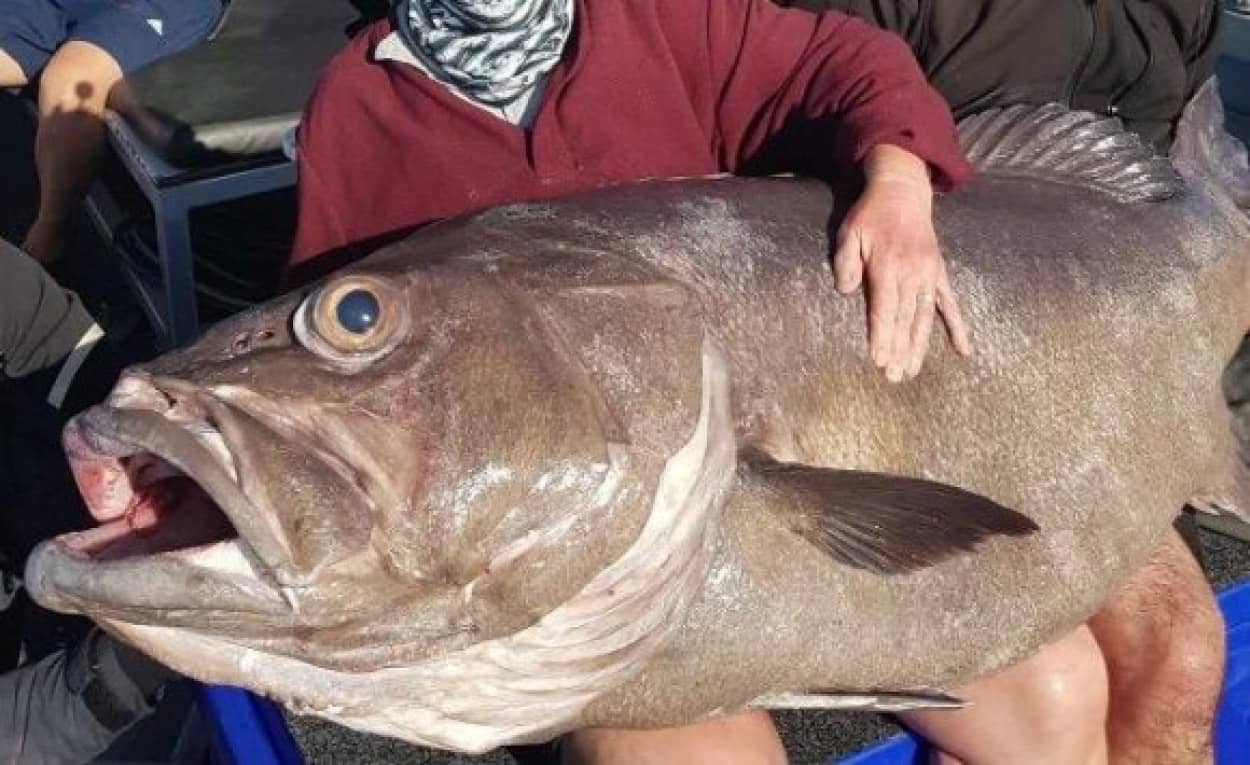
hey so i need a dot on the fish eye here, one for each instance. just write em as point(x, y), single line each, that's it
point(356, 319)
point(357, 311)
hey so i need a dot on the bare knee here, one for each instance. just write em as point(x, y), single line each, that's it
point(1164, 625)
point(746, 739)
point(78, 78)
point(11, 73)
point(1048, 708)
point(1163, 639)
point(1067, 685)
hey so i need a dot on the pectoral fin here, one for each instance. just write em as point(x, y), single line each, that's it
point(863, 701)
point(883, 523)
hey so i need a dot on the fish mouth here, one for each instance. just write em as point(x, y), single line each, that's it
point(177, 533)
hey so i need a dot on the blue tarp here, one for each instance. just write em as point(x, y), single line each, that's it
point(245, 729)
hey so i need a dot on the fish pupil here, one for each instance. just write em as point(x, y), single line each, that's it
point(358, 311)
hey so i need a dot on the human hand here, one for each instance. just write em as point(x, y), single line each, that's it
point(887, 242)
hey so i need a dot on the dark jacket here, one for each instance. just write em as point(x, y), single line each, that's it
point(1140, 60)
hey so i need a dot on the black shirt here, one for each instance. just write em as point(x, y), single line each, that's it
point(1139, 60)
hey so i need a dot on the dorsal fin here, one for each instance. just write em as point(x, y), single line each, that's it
point(1064, 146)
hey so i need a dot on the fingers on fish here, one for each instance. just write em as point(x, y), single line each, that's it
point(885, 524)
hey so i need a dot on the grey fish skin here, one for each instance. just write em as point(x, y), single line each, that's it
point(515, 504)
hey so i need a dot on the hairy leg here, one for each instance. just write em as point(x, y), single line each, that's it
point(745, 739)
point(1163, 640)
point(1050, 708)
point(73, 90)
point(11, 75)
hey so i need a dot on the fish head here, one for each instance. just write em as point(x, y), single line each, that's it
point(361, 475)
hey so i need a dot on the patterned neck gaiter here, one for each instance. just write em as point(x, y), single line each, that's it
point(494, 51)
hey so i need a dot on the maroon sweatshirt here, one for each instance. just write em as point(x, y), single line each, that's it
point(646, 89)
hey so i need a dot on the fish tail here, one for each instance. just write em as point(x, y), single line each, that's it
point(1226, 507)
point(1204, 148)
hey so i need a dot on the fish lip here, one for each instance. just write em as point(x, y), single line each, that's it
point(61, 577)
point(109, 431)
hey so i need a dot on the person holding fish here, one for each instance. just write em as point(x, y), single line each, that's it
point(507, 101)
point(457, 105)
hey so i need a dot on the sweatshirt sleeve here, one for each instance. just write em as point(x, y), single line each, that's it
point(832, 86)
point(318, 229)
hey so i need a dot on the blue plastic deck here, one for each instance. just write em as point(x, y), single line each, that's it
point(245, 729)
point(248, 730)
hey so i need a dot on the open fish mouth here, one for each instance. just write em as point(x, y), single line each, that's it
point(177, 532)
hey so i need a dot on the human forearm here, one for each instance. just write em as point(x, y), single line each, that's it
point(857, 86)
point(891, 121)
point(889, 164)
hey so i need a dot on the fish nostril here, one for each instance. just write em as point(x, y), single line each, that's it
point(246, 341)
point(168, 402)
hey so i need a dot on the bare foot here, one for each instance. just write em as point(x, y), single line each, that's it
point(45, 242)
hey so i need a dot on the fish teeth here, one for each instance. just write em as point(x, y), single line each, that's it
point(210, 438)
point(199, 427)
point(193, 422)
point(291, 596)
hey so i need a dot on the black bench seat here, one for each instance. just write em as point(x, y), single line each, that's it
point(207, 127)
point(235, 96)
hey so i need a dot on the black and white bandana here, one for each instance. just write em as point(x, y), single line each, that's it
point(494, 51)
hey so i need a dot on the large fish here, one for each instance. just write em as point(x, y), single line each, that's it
point(619, 459)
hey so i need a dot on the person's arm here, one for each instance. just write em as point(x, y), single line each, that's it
point(73, 704)
point(318, 229)
point(776, 71)
point(41, 322)
point(810, 90)
point(332, 162)
point(344, 135)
